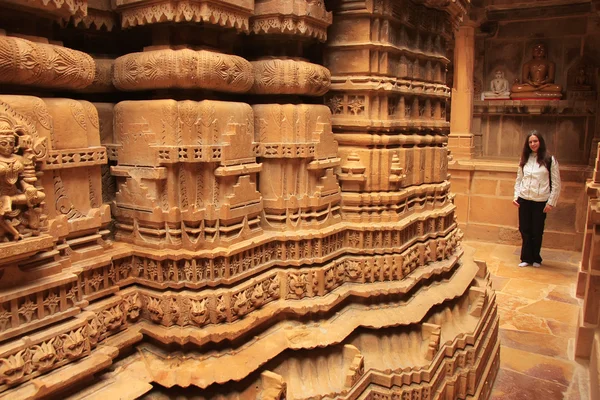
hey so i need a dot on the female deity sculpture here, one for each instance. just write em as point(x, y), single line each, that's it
point(499, 88)
point(537, 77)
point(19, 197)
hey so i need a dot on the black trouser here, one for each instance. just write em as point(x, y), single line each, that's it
point(531, 225)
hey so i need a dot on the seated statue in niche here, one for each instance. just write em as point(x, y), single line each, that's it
point(581, 81)
point(499, 88)
point(537, 77)
point(20, 211)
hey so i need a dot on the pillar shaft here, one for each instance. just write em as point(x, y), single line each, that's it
point(460, 140)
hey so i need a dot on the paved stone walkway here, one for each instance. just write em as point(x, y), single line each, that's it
point(538, 318)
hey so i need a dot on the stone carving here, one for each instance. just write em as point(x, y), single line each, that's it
point(103, 77)
point(97, 18)
point(57, 8)
point(227, 13)
point(183, 69)
point(296, 17)
point(277, 76)
point(20, 194)
point(499, 87)
point(581, 82)
point(260, 235)
point(302, 135)
point(23, 62)
point(206, 154)
point(537, 80)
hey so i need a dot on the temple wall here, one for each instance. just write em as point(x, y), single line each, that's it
point(484, 193)
point(484, 184)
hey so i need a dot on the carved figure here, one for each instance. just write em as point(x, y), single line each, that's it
point(19, 197)
point(537, 77)
point(499, 88)
point(199, 311)
point(133, 306)
point(581, 78)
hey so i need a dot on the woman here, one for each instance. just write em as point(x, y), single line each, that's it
point(536, 193)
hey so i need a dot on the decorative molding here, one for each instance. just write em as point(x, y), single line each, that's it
point(23, 62)
point(182, 69)
point(224, 13)
point(281, 76)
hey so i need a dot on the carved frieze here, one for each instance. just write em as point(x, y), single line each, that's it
point(54, 8)
point(183, 69)
point(281, 76)
point(25, 63)
point(98, 19)
point(296, 17)
point(23, 311)
point(45, 351)
point(226, 13)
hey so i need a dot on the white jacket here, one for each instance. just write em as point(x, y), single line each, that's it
point(533, 182)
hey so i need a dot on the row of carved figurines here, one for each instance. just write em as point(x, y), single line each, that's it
point(537, 80)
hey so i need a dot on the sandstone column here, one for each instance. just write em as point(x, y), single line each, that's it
point(460, 141)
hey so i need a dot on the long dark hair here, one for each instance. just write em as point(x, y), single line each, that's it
point(543, 157)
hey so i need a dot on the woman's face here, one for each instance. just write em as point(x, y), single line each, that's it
point(534, 143)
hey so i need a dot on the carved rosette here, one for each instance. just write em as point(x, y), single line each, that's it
point(279, 76)
point(183, 69)
point(226, 13)
point(26, 63)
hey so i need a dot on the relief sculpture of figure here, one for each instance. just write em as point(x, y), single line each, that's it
point(499, 88)
point(537, 77)
point(19, 197)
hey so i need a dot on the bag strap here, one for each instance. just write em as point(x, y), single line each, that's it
point(550, 171)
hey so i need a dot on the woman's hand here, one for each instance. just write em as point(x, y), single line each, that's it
point(548, 208)
point(516, 203)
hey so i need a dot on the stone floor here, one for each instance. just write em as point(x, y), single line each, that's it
point(538, 317)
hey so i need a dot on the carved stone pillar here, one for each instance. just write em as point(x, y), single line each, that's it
point(460, 141)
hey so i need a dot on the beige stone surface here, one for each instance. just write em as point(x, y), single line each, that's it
point(220, 216)
point(47, 66)
point(182, 69)
point(486, 188)
point(537, 357)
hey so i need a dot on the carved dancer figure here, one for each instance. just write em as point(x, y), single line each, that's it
point(499, 87)
point(537, 77)
point(18, 194)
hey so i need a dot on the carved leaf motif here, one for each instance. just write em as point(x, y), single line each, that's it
point(133, 306)
point(74, 343)
point(63, 203)
point(221, 309)
point(12, 368)
point(5, 318)
point(51, 302)
point(155, 309)
point(28, 309)
point(44, 355)
point(199, 311)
